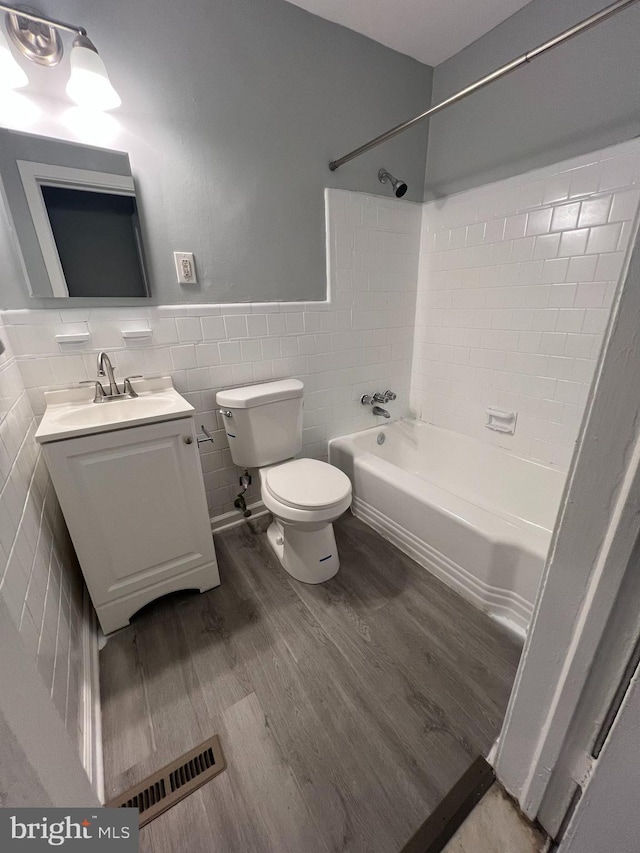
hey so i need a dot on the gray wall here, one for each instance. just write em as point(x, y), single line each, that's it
point(583, 96)
point(231, 112)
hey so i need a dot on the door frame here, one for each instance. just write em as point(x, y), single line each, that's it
point(595, 533)
point(607, 817)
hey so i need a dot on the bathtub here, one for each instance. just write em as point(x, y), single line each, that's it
point(477, 517)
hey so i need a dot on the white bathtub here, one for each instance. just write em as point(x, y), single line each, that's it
point(477, 517)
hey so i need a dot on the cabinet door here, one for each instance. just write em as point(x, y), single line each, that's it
point(135, 505)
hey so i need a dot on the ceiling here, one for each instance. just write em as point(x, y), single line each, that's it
point(428, 30)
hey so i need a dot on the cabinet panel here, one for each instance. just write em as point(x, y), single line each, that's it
point(135, 505)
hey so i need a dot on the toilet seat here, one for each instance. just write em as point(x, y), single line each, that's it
point(307, 484)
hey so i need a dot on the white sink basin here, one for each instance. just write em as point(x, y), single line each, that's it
point(113, 411)
point(72, 413)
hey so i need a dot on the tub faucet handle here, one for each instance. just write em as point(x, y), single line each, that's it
point(367, 400)
point(384, 397)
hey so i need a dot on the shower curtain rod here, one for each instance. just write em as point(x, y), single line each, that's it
point(592, 21)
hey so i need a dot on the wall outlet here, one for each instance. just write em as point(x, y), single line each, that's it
point(185, 267)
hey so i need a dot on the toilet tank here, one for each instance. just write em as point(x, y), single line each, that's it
point(264, 422)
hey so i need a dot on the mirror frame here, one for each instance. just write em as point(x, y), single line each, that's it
point(34, 176)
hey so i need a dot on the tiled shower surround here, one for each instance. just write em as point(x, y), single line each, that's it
point(515, 288)
point(40, 581)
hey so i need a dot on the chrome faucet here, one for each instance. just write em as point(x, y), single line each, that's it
point(112, 392)
point(105, 368)
point(370, 399)
point(380, 412)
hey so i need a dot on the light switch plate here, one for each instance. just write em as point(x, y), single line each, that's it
point(185, 267)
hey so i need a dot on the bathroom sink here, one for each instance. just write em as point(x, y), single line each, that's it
point(72, 413)
point(114, 411)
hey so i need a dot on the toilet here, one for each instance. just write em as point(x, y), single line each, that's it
point(305, 496)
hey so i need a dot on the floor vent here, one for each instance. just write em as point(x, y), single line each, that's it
point(158, 792)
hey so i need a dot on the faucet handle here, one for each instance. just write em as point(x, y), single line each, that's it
point(367, 400)
point(389, 395)
point(127, 387)
point(380, 398)
point(100, 392)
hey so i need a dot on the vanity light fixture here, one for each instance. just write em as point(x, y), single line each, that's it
point(37, 38)
point(89, 84)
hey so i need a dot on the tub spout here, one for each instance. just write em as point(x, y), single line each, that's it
point(383, 413)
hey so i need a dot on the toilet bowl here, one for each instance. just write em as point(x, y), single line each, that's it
point(305, 497)
point(263, 424)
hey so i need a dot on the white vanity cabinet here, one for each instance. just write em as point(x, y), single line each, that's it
point(134, 501)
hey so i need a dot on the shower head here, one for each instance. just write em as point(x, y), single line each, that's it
point(399, 187)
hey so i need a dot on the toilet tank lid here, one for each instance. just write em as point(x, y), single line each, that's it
point(258, 395)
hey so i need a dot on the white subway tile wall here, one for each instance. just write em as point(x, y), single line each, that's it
point(358, 342)
point(515, 287)
point(40, 581)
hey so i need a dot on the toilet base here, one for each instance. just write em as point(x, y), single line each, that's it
point(309, 554)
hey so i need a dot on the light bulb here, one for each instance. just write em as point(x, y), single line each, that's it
point(11, 74)
point(89, 84)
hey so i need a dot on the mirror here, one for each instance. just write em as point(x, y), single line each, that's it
point(75, 217)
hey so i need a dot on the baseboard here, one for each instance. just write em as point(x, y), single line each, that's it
point(504, 606)
point(92, 758)
point(234, 518)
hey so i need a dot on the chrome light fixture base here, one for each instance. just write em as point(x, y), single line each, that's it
point(36, 40)
point(82, 40)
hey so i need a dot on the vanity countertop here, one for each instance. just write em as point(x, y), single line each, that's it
point(71, 412)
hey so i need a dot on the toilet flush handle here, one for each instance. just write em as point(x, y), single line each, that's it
point(226, 413)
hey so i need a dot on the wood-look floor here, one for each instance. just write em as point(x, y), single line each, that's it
point(345, 710)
